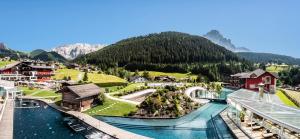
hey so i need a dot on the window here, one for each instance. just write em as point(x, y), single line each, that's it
point(267, 80)
point(252, 86)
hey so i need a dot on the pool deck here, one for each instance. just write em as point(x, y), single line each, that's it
point(108, 129)
point(102, 126)
point(233, 127)
point(6, 123)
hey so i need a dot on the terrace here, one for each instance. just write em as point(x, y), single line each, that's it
point(261, 118)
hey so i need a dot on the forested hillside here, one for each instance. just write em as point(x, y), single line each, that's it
point(167, 51)
point(268, 57)
point(49, 56)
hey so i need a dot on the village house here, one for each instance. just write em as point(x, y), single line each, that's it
point(137, 79)
point(250, 80)
point(80, 97)
point(73, 66)
point(27, 71)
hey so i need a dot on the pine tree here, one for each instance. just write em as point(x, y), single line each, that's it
point(85, 77)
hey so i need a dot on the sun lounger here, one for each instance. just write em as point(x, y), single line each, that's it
point(250, 123)
point(256, 127)
point(267, 135)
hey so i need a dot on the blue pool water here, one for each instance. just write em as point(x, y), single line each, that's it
point(195, 125)
point(41, 122)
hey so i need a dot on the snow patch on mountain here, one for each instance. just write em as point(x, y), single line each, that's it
point(71, 51)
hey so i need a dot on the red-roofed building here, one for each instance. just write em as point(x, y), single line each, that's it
point(250, 80)
point(27, 71)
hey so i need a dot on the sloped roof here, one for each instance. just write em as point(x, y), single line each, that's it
point(8, 66)
point(257, 72)
point(41, 67)
point(85, 90)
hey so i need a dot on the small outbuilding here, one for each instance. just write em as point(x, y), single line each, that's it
point(80, 97)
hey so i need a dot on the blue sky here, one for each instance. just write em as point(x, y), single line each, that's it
point(260, 25)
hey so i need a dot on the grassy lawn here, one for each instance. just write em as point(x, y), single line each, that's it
point(284, 99)
point(46, 93)
point(277, 69)
point(130, 87)
point(61, 73)
point(176, 75)
point(77, 75)
point(115, 108)
point(41, 93)
point(4, 63)
point(27, 91)
point(103, 78)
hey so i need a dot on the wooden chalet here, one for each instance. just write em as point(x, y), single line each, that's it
point(80, 97)
point(250, 80)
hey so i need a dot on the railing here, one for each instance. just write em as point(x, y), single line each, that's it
point(215, 128)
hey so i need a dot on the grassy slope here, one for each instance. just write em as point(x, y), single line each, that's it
point(4, 63)
point(129, 87)
point(176, 75)
point(103, 78)
point(40, 93)
point(61, 73)
point(93, 77)
point(115, 108)
point(284, 99)
point(277, 69)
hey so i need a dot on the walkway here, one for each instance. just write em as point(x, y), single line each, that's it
point(6, 123)
point(235, 130)
point(138, 93)
point(122, 100)
point(106, 128)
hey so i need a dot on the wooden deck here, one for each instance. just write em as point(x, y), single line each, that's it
point(106, 128)
point(235, 130)
point(6, 123)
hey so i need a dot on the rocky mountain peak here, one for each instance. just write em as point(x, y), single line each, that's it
point(71, 51)
point(216, 37)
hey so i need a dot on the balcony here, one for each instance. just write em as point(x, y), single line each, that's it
point(44, 73)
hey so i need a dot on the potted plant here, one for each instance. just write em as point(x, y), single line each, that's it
point(242, 116)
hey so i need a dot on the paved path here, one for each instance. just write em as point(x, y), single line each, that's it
point(123, 100)
point(6, 123)
point(235, 130)
point(106, 128)
point(138, 93)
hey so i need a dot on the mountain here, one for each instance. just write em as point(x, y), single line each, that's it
point(168, 52)
point(47, 56)
point(71, 51)
point(268, 57)
point(36, 52)
point(6, 52)
point(162, 48)
point(216, 37)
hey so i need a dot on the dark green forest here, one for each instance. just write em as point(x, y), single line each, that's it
point(267, 57)
point(291, 77)
point(169, 52)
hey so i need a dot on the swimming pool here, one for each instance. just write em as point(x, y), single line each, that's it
point(194, 125)
point(41, 122)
